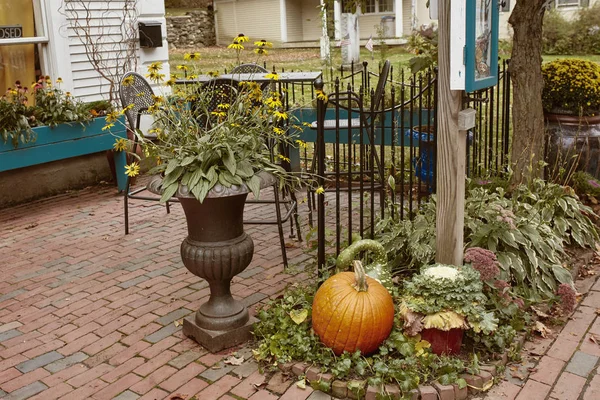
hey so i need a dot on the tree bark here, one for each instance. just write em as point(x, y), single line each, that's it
point(526, 74)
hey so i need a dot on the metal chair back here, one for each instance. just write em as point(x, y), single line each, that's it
point(136, 91)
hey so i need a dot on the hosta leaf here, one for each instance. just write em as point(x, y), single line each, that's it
point(168, 192)
point(254, 185)
point(229, 161)
point(562, 274)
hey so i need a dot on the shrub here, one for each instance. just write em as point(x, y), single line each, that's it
point(571, 86)
point(557, 34)
point(569, 37)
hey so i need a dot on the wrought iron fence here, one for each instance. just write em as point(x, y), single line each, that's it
point(389, 155)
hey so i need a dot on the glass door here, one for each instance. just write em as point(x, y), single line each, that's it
point(19, 60)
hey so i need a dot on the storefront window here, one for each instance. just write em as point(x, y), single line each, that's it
point(19, 60)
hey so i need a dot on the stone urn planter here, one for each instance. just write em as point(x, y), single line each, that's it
point(216, 249)
point(573, 143)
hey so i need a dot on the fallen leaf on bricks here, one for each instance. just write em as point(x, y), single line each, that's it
point(301, 383)
point(542, 329)
point(539, 312)
point(594, 339)
point(233, 360)
point(178, 322)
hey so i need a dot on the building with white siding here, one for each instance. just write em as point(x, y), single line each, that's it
point(57, 38)
point(89, 44)
point(298, 22)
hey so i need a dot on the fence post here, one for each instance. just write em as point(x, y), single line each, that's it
point(320, 159)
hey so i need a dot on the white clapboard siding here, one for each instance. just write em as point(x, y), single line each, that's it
point(105, 19)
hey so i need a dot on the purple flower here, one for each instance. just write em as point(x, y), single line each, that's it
point(483, 261)
point(593, 183)
point(568, 297)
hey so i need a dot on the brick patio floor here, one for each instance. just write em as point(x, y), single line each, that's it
point(89, 313)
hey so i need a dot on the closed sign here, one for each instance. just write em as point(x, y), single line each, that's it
point(11, 31)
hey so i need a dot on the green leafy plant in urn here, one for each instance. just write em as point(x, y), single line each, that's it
point(213, 146)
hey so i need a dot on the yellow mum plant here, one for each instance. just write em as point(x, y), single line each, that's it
point(571, 86)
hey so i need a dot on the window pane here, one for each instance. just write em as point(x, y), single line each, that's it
point(370, 6)
point(386, 5)
point(563, 3)
point(17, 62)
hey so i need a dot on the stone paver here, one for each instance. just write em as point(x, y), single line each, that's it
point(582, 364)
point(87, 312)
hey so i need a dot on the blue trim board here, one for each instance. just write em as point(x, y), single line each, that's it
point(66, 141)
point(472, 84)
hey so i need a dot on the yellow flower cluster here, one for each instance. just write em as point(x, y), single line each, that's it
point(571, 86)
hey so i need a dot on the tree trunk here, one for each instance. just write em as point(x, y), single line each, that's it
point(526, 74)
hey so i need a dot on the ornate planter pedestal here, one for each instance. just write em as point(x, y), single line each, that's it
point(217, 249)
point(573, 143)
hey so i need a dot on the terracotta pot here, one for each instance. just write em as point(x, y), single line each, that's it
point(443, 342)
point(573, 143)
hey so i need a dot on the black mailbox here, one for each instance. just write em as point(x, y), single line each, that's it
point(150, 34)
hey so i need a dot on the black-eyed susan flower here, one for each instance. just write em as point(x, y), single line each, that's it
point(108, 127)
point(241, 38)
point(235, 45)
point(112, 116)
point(155, 76)
point(321, 95)
point(182, 67)
point(280, 115)
point(273, 102)
point(278, 130)
point(59, 80)
point(273, 76)
point(263, 43)
point(132, 169)
point(128, 81)
point(301, 143)
point(120, 144)
point(282, 157)
point(155, 66)
point(191, 56)
point(171, 81)
point(320, 190)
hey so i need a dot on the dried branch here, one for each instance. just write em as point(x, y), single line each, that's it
point(108, 32)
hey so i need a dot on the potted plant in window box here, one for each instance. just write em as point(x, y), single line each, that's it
point(43, 123)
point(442, 301)
point(214, 145)
point(571, 100)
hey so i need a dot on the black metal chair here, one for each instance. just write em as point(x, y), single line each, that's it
point(226, 91)
point(255, 69)
point(135, 90)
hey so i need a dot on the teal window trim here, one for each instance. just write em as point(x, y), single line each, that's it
point(472, 84)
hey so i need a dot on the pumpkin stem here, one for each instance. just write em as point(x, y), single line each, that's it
point(361, 279)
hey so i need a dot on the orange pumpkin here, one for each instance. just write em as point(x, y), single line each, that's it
point(352, 311)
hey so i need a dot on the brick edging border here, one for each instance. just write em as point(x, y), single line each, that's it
point(339, 388)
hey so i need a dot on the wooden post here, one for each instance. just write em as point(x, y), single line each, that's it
point(451, 155)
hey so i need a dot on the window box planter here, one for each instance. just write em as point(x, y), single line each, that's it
point(66, 141)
